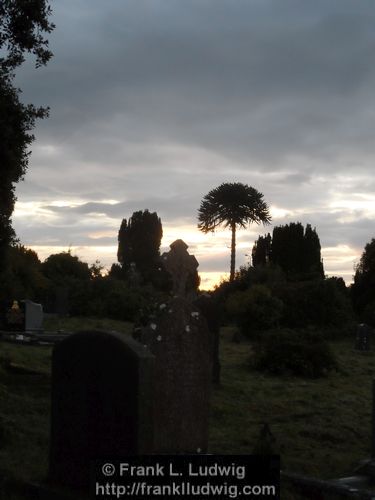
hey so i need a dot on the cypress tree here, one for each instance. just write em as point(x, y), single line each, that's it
point(139, 241)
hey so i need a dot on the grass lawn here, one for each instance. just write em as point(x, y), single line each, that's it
point(322, 427)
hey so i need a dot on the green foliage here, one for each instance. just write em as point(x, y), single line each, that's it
point(321, 303)
point(96, 269)
point(293, 352)
point(115, 299)
point(61, 267)
point(324, 303)
point(232, 205)
point(23, 277)
point(22, 28)
point(269, 275)
point(363, 288)
point(139, 243)
point(261, 252)
point(16, 122)
point(22, 25)
point(66, 272)
point(294, 249)
point(254, 309)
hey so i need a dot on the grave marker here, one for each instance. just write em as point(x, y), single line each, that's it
point(101, 403)
point(180, 340)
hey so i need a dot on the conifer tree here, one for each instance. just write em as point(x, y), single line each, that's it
point(139, 241)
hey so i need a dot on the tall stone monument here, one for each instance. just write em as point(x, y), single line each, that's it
point(179, 338)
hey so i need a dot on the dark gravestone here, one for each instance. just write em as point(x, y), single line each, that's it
point(33, 315)
point(101, 403)
point(211, 312)
point(178, 336)
point(362, 341)
point(182, 268)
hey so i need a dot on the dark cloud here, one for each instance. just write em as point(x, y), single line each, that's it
point(250, 80)
point(155, 103)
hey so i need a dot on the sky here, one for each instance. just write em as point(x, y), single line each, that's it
point(153, 103)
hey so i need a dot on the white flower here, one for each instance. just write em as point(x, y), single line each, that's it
point(162, 306)
point(195, 314)
point(170, 311)
point(187, 328)
point(158, 338)
point(199, 450)
point(153, 326)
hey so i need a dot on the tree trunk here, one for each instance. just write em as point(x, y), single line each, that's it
point(233, 253)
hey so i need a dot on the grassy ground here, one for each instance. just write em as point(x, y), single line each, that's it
point(322, 427)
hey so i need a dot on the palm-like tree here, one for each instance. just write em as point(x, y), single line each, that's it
point(233, 205)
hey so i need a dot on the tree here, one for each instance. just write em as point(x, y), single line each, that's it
point(23, 277)
point(139, 241)
point(16, 121)
point(261, 252)
point(232, 205)
point(22, 28)
point(22, 24)
point(60, 267)
point(363, 288)
point(70, 282)
point(294, 249)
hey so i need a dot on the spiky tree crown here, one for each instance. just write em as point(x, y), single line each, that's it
point(232, 204)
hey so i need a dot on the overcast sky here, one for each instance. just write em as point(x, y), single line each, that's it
point(156, 102)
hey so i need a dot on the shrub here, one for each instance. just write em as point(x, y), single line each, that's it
point(115, 299)
point(301, 353)
point(254, 309)
point(319, 303)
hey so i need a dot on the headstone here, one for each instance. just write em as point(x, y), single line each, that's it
point(210, 310)
point(182, 268)
point(101, 403)
point(362, 341)
point(179, 338)
point(33, 315)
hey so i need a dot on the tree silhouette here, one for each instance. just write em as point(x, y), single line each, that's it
point(139, 241)
point(363, 288)
point(294, 249)
point(261, 252)
point(232, 205)
point(22, 28)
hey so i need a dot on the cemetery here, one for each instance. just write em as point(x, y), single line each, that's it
point(68, 401)
point(152, 103)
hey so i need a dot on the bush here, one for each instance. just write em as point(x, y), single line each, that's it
point(115, 299)
point(254, 310)
point(319, 303)
point(301, 353)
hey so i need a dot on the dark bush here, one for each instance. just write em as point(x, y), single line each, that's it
point(116, 299)
point(318, 303)
point(254, 310)
point(294, 352)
